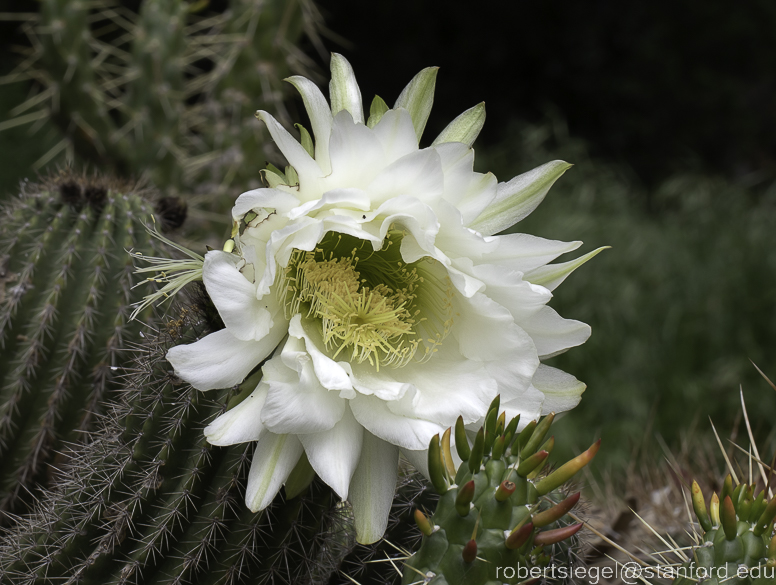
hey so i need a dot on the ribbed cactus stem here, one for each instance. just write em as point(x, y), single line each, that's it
point(64, 316)
point(150, 501)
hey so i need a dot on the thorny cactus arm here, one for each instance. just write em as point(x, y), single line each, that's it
point(65, 301)
point(150, 501)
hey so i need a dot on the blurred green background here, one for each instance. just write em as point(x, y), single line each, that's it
point(665, 108)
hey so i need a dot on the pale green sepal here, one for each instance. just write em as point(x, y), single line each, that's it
point(306, 139)
point(465, 128)
point(274, 176)
point(376, 111)
point(291, 176)
point(301, 477)
point(418, 98)
point(344, 93)
point(518, 198)
point(551, 275)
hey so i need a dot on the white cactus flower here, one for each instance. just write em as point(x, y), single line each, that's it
point(371, 266)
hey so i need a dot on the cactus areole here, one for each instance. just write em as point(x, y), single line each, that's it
point(372, 266)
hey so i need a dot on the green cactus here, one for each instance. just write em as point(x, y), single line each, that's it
point(166, 93)
point(150, 501)
point(499, 517)
point(65, 301)
point(738, 543)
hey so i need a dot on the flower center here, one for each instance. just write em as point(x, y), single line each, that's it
point(370, 305)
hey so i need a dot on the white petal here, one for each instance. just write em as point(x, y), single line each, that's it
point(508, 289)
point(418, 174)
point(295, 154)
point(343, 89)
point(273, 460)
point(240, 424)
point(372, 488)
point(356, 154)
point(220, 360)
point(404, 431)
point(320, 118)
point(486, 332)
point(561, 391)
point(553, 334)
point(330, 374)
point(446, 389)
point(528, 404)
point(334, 454)
point(263, 199)
point(397, 134)
point(418, 459)
point(296, 402)
point(523, 252)
point(244, 315)
point(519, 197)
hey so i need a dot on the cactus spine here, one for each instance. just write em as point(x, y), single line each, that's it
point(65, 301)
point(165, 93)
point(498, 517)
point(150, 501)
point(738, 543)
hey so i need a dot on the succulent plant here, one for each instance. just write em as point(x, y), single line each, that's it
point(500, 518)
point(167, 92)
point(738, 545)
point(148, 500)
point(65, 301)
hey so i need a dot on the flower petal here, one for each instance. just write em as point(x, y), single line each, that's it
point(397, 134)
point(356, 154)
point(465, 128)
point(404, 431)
point(220, 360)
point(263, 199)
point(246, 317)
point(273, 460)
point(343, 89)
point(320, 118)
point(296, 155)
point(552, 275)
point(561, 391)
point(372, 488)
point(296, 402)
point(334, 454)
point(553, 334)
point(418, 98)
point(519, 197)
point(240, 424)
point(523, 252)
